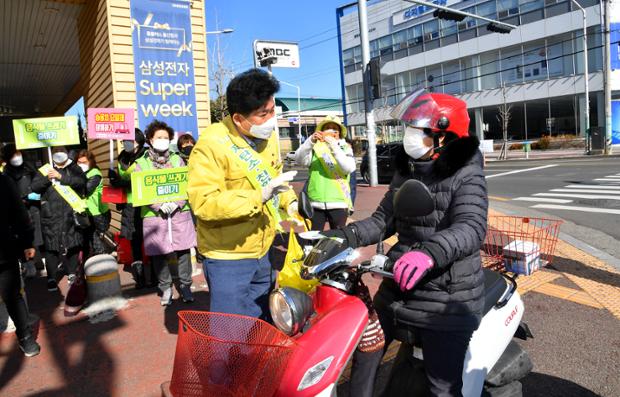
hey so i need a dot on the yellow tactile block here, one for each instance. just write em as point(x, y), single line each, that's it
point(569, 294)
point(535, 280)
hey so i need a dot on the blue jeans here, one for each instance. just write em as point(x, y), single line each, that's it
point(240, 286)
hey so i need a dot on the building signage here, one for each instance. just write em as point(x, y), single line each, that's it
point(417, 10)
point(109, 123)
point(286, 54)
point(46, 132)
point(159, 186)
point(164, 64)
point(615, 122)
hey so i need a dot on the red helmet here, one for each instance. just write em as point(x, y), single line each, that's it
point(437, 112)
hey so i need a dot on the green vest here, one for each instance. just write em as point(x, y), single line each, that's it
point(93, 202)
point(322, 188)
point(146, 164)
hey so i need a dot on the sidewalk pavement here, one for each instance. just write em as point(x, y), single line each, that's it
point(572, 307)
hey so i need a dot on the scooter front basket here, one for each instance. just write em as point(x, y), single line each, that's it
point(223, 355)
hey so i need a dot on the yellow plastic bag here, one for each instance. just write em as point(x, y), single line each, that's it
point(289, 275)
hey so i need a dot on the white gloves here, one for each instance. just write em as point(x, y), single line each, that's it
point(293, 213)
point(168, 208)
point(278, 185)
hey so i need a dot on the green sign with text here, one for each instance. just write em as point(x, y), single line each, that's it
point(46, 132)
point(159, 186)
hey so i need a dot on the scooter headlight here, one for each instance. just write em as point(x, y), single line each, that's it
point(290, 309)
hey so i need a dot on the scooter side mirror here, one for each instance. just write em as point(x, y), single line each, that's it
point(305, 207)
point(413, 199)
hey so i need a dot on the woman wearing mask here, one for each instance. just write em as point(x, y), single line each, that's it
point(22, 173)
point(331, 163)
point(98, 210)
point(131, 221)
point(185, 143)
point(60, 234)
point(167, 227)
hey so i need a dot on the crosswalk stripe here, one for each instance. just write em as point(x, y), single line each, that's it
point(577, 208)
point(582, 196)
point(522, 170)
point(608, 180)
point(594, 187)
point(543, 200)
point(613, 176)
point(586, 191)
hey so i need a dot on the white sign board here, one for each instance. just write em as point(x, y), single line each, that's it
point(486, 146)
point(286, 54)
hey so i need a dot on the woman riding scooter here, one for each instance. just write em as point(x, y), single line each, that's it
point(437, 294)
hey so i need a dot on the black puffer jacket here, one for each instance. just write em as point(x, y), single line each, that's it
point(451, 295)
point(59, 231)
point(23, 177)
point(16, 231)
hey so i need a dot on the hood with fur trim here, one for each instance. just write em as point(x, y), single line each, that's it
point(454, 156)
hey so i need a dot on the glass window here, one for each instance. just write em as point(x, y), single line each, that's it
point(452, 77)
point(434, 80)
point(512, 65)
point(595, 51)
point(414, 35)
point(489, 70)
point(507, 7)
point(374, 48)
point(448, 28)
point(431, 30)
point(535, 61)
point(347, 57)
point(385, 45)
point(357, 54)
point(487, 9)
point(468, 22)
point(400, 40)
point(529, 5)
point(469, 67)
point(418, 79)
point(403, 84)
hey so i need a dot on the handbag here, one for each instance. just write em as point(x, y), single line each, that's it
point(81, 220)
point(113, 195)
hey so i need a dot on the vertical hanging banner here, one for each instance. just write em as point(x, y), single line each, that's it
point(164, 64)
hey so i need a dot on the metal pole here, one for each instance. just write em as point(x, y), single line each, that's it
point(607, 78)
point(461, 12)
point(276, 114)
point(370, 119)
point(586, 75)
point(299, 114)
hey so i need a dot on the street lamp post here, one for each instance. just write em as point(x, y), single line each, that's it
point(220, 31)
point(586, 74)
point(298, 107)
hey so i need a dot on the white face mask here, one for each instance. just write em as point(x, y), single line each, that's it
point(17, 161)
point(413, 142)
point(128, 146)
point(60, 157)
point(161, 144)
point(84, 167)
point(264, 131)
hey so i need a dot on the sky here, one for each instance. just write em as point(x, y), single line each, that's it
point(311, 23)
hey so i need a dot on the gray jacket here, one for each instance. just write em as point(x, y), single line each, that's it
point(451, 295)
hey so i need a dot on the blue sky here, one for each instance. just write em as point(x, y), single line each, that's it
point(312, 23)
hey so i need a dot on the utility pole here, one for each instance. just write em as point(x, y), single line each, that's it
point(370, 118)
point(607, 77)
point(586, 74)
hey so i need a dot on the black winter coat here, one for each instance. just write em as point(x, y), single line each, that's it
point(23, 177)
point(16, 231)
point(59, 231)
point(451, 296)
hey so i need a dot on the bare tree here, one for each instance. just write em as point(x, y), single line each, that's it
point(504, 113)
point(220, 75)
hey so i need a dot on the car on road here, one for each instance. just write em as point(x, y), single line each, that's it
point(386, 156)
point(290, 157)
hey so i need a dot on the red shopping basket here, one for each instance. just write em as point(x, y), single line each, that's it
point(504, 230)
point(225, 355)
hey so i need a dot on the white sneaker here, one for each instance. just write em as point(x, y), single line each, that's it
point(166, 297)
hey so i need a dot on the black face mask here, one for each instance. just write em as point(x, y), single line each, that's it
point(187, 150)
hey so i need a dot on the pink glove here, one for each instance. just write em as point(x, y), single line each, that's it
point(410, 268)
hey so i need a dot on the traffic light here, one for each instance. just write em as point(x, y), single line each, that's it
point(493, 27)
point(448, 15)
point(374, 67)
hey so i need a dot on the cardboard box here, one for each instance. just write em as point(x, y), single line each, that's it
point(522, 257)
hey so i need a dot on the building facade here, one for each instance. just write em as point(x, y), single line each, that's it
point(536, 70)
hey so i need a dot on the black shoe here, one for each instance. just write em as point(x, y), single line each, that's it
point(29, 346)
point(52, 285)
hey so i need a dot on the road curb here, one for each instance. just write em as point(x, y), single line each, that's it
point(558, 157)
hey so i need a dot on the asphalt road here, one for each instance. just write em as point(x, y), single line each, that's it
point(584, 192)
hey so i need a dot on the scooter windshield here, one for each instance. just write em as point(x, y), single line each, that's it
point(324, 250)
point(418, 109)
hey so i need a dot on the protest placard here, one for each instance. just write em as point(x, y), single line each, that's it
point(159, 186)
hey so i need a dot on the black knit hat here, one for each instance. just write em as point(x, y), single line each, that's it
point(8, 151)
point(140, 137)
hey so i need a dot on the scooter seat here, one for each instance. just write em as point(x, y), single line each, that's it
point(494, 287)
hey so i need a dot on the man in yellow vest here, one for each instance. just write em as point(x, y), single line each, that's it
point(236, 190)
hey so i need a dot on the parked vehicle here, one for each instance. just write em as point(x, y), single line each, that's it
point(290, 157)
point(385, 162)
point(323, 329)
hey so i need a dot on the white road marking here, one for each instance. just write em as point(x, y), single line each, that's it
point(593, 187)
point(523, 170)
point(606, 180)
point(543, 200)
point(586, 191)
point(582, 196)
point(613, 176)
point(577, 208)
